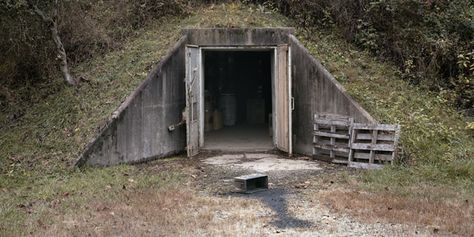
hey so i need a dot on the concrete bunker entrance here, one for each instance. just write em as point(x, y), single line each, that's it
point(238, 99)
point(165, 116)
point(244, 91)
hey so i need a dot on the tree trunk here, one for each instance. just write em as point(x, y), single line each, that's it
point(53, 27)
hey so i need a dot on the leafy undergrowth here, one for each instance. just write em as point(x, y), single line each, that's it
point(38, 147)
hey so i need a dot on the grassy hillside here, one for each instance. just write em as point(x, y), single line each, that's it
point(38, 146)
point(51, 132)
point(436, 143)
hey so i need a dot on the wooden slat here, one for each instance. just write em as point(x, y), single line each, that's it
point(366, 156)
point(338, 144)
point(335, 135)
point(374, 142)
point(332, 117)
point(316, 140)
point(340, 161)
point(351, 141)
point(329, 147)
point(360, 155)
point(380, 137)
point(385, 127)
point(332, 122)
point(333, 141)
point(378, 147)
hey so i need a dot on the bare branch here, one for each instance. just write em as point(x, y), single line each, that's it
point(40, 13)
point(53, 27)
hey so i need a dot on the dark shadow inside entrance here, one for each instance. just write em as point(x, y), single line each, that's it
point(238, 100)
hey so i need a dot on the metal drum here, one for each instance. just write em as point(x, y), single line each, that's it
point(228, 106)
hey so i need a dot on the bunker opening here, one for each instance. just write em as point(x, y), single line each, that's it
point(238, 99)
point(277, 88)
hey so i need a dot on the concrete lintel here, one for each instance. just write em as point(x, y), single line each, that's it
point(238, 36)
point(289, 30)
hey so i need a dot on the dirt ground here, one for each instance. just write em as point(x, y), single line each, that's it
point(206, 203)
point(291, 205)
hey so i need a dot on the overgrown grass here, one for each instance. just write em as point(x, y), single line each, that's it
point(436, 145)
point(37, 149)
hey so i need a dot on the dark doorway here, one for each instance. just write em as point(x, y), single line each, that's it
point(238, 99)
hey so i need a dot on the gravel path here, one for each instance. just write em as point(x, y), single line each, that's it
point(287, 210)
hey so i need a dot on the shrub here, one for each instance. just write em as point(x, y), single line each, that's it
point(423, 37)
point(86, 28)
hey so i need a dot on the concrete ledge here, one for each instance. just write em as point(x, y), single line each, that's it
point(238, 36)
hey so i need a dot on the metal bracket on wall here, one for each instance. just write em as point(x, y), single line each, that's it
point(173, 127)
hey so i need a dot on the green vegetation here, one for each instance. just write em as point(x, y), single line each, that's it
point(436, 145)
point(54, 129)
point(43, 134)
point(38, 148)
point(432, 42)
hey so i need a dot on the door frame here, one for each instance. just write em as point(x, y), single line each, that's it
point(274, 51)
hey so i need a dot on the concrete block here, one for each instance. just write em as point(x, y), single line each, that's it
point(251, 183)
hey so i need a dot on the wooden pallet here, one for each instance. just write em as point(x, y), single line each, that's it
point(331, 138)
point(373, 145)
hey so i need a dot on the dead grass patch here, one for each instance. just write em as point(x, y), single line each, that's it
point(444, 216)
point(173, 212)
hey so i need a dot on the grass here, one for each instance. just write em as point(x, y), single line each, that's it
point(53, 131)
point(34, 206)
point(38, 148)
point(436, 145)
point(433, 182)
point(448, 217)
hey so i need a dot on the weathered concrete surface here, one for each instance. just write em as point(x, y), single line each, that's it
point(240, 138)
point(261, 162)
point(316, 91)
point(138, 130)
point(238, 37)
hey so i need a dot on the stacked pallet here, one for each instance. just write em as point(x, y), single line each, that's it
point(339, 140)
point(373, 145)
point(332, 137)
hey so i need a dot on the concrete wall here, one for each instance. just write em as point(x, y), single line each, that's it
point(316, 91)
point(238, 37)
point(138, 130)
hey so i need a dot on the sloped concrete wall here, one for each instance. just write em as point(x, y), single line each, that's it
point(138, 130)
point(316, 91)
